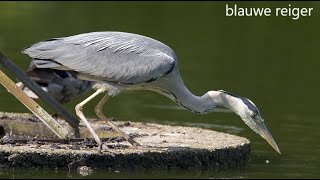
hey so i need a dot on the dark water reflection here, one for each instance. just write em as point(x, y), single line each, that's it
point(271, 60)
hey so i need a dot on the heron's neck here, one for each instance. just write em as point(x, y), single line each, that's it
point(197, 104)
point(225, 99)
point(178, 92)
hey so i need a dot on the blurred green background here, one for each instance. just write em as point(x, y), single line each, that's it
point(271, 60)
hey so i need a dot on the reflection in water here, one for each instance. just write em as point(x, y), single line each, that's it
point(271, 60)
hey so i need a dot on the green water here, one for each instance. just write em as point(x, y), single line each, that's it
point(271, 60)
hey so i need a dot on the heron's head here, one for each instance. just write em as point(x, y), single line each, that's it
point(250, 114)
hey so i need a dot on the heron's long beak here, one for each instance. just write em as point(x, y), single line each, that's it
point(267, 136)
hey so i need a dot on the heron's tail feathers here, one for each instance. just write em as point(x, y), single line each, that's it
point(45, 53)
point(49, 49)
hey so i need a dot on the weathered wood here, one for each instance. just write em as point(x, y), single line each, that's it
point(33, 106)
point(55, 105)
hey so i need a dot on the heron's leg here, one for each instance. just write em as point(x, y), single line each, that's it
point(83, 118)
point(98, 110)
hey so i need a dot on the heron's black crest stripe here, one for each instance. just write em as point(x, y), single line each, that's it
point(251, 106)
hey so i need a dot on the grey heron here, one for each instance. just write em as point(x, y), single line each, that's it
point(118, 61)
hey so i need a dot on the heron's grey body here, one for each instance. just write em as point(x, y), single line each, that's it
point(119, 61)
point(108, 56)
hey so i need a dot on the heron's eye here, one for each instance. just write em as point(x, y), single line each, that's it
point(254, 115)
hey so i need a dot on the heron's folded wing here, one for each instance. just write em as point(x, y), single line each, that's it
point(110, 56)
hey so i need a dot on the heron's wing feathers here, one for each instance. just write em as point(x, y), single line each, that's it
point(111, 56)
